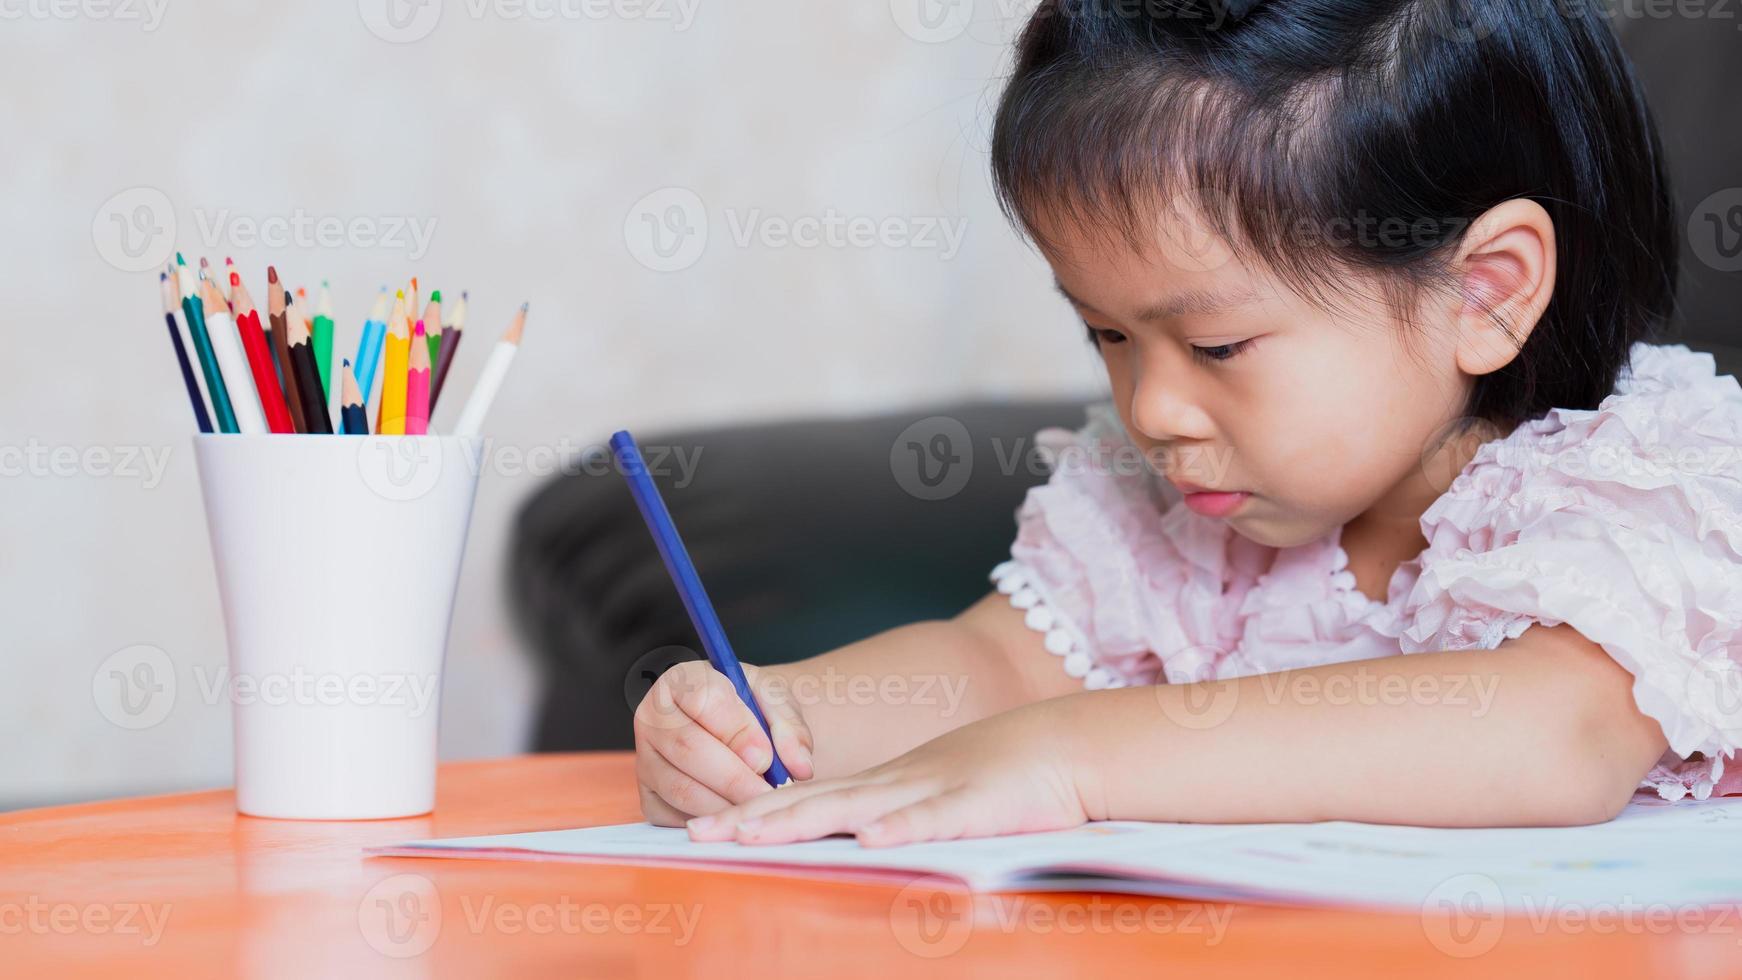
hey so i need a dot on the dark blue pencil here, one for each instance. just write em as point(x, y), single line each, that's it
point(170, 301)
point(689, 586)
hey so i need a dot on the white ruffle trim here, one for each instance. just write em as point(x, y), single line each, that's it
point(1062, 639)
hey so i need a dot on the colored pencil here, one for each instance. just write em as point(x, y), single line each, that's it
point(689, 587)
point(308, 377)
point(432, 325)
point(490, 381)
point(210, 274)
point(227, 344)
point(353, 419)
point(321, 333)
point(187, 341)
point(417, 384)
point(450, 343)
point(170, 302)
point(297, 309)
point(260, 360)
point(411, 299)
point(275, 306)
point(369, 346)
point(390, 414)
point(191, 308)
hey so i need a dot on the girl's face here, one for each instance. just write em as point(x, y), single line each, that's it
point(1228, 380)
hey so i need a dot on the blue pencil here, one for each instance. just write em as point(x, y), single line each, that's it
point(369, 345)
point(689, 586)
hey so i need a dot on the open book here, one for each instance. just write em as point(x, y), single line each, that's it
point(1656, 853)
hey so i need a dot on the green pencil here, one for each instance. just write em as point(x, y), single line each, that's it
point(323, 338)
point(432, 326)
point(196, 317)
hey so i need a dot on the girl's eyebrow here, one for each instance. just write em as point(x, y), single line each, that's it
point(1192, 302)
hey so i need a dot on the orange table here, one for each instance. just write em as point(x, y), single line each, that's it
point(181, 886)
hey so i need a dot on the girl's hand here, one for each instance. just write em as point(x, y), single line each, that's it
point(1006, 774)
point(698, 749)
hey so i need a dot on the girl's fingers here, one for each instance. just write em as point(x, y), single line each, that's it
point(706, 696)
point(840, 811)
point(685, 789)
point(942, 817)
point(792, 737)
point(657, 811)
point(723, 824)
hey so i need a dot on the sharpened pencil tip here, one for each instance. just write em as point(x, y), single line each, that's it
point(179, 260)
point(525, 306)
point(271, 273)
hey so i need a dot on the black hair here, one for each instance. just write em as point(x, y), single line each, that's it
point(1272, 119)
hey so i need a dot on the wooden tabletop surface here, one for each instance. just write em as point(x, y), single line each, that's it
point(181, 886)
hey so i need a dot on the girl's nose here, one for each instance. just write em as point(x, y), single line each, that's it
point(1165, 412)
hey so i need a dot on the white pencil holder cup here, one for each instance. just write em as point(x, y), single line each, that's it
point(337, 560)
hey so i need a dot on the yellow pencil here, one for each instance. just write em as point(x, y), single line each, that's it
point(395, 361)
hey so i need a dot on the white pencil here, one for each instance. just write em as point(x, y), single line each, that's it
point(227, 346)
point(490, 381)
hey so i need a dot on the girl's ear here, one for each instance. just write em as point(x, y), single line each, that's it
point(1506, 269)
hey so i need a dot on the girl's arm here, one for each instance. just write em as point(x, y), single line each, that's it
point(873, 700)
point(1542, 731)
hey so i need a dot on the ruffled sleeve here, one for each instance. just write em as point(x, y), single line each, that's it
point(1624, 521)
point(1127, 587)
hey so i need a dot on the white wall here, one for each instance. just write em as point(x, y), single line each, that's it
point(526, 144)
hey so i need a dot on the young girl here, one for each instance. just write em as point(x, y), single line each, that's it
point(1395, 516)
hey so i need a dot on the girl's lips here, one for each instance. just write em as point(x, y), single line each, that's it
point(1215, 504)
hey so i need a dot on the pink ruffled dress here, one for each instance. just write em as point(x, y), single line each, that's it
point(1625, 521)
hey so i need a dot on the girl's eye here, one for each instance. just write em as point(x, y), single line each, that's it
point(1221, 352)
point(1098, 336)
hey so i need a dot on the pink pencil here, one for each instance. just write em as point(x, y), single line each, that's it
point(417, 385)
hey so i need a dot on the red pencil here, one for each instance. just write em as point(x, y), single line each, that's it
point(259, 359)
